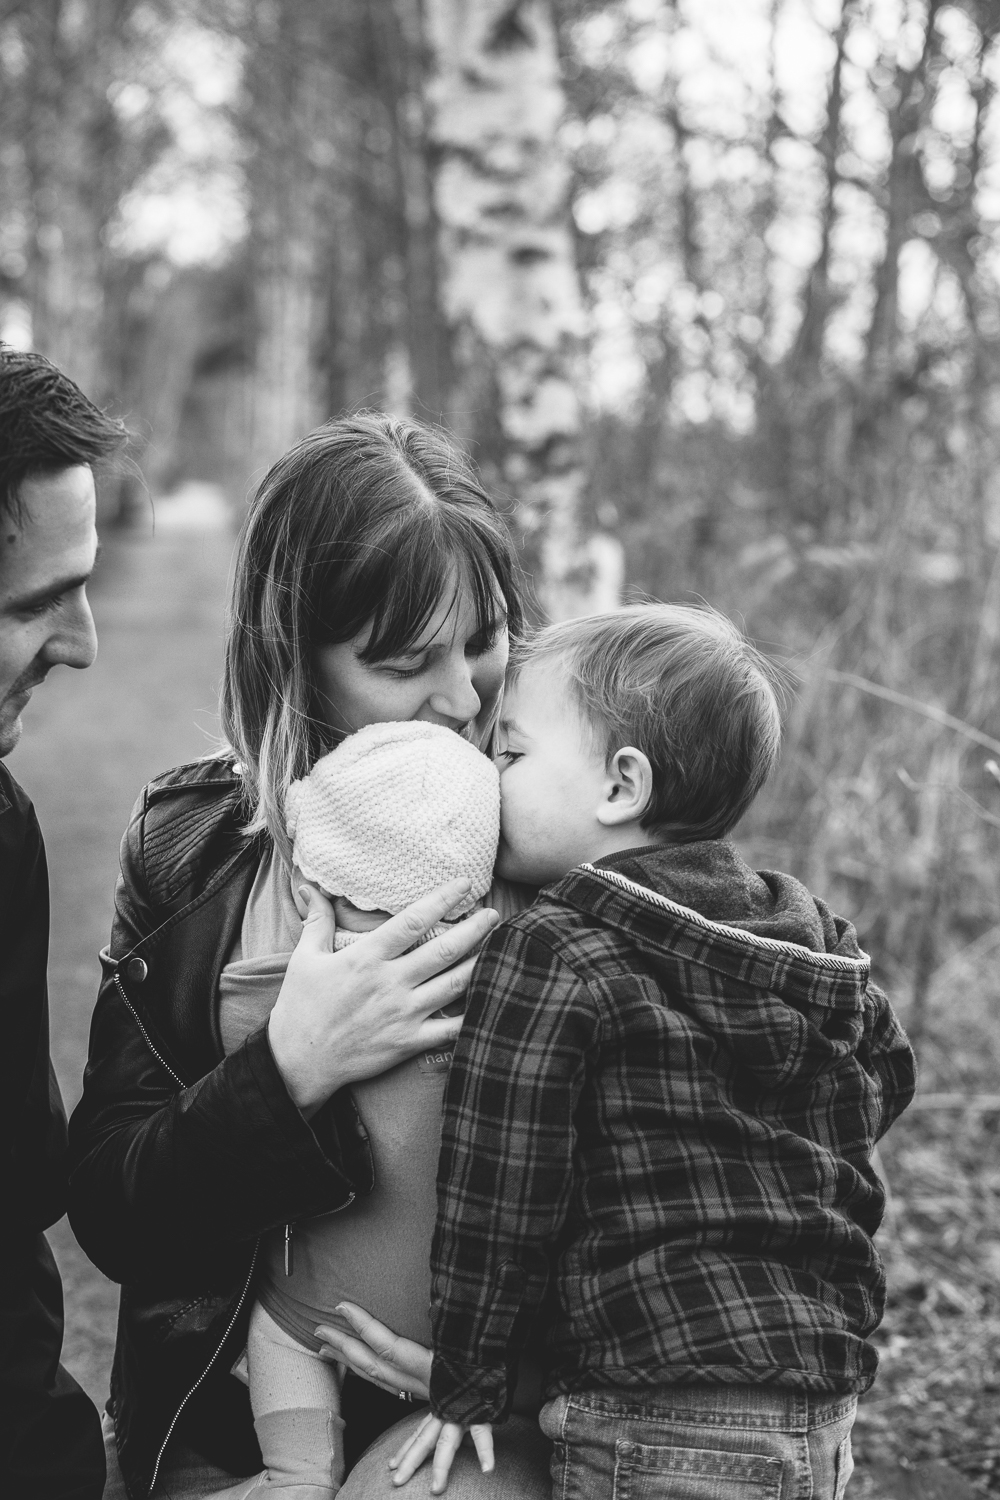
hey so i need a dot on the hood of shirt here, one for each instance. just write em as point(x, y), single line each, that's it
point(767, 969)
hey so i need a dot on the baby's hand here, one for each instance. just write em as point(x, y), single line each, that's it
point(352, 919)
point(346, 915)
point(443, 1439)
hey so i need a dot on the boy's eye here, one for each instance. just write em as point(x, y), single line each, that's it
point(508, 756)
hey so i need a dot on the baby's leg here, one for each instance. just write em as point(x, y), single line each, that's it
point(295, 1396)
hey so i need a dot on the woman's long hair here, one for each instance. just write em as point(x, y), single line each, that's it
point(366, 521)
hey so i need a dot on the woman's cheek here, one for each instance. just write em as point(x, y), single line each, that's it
point(489, 675)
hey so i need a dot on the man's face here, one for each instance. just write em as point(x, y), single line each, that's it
point(553, 778)
point(46, 559)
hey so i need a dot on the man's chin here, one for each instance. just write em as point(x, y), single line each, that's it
point(10, 733)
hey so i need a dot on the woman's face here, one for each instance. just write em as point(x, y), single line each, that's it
point(451, 674)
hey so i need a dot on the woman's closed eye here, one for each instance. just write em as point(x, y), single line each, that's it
point(413, 671)
point(484, 641)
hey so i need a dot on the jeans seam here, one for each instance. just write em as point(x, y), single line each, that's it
point(803, 1462)
point(835, 1414)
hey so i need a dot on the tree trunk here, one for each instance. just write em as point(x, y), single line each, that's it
point(288, 114)
point(70, 135)
point(509, 287)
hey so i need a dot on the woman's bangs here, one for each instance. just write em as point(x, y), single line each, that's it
point(432, 570)
point(410, 593)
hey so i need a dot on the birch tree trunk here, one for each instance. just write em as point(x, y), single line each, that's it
point(509, 287)
point(69, 141)
point(288, 85)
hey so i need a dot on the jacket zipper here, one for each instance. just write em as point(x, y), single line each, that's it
point(834, 961)
point(246, 1286)
point(145, 1034)
point(201, 1377)
point(289, 1231)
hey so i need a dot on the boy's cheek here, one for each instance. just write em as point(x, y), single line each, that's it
point(508, 848)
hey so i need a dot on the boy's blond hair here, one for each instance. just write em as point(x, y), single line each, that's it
point(684, 685)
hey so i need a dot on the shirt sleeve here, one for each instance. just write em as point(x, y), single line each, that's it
point(530, 1033)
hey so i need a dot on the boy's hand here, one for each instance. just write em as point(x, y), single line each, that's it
point(443, 1439)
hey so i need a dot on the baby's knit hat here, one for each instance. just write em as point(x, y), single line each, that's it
point(392, 812)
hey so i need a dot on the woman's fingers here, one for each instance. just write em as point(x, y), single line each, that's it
point(342, 1349)
point(354, 1014)
point(402, 1354)
point(445, 989)
point(376, 1353)
point(439, 1034)
point(407, 1460)
point(318, 923)
point(401, 932)
point(451, 947)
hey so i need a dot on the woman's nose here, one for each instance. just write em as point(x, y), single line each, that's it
point(456, 697)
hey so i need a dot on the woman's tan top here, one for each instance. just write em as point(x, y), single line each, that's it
point(376, 1251)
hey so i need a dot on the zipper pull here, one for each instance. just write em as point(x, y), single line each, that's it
point(288, 1249)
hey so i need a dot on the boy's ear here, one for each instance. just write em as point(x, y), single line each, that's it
point(628, 788)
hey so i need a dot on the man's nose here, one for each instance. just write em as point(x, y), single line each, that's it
point(74, 641)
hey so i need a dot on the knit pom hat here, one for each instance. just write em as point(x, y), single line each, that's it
point(392, 812)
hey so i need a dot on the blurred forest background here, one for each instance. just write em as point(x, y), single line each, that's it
point(710, 290)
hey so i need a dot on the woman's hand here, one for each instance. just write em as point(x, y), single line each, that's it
point(340, 1017)
point(376, 1353)
point(443, 1439)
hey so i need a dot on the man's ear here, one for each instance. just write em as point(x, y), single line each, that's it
point(628, 788)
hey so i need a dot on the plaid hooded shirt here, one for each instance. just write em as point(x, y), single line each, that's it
point(657, 1140)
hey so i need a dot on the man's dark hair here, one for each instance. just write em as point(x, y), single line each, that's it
point(46, 424)
point(682, 684)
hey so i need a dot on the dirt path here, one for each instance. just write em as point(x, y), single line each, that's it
point(91, 740)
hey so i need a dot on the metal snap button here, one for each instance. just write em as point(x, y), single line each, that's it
point(136, 969)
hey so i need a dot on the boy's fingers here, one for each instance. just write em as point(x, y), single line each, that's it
point(414, 1437)
point(444, 1456)
point(482, 1438)
point(407, 1461)
point(402, 931)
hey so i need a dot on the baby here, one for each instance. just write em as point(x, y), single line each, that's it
point(394, 811)
point(661, 1110)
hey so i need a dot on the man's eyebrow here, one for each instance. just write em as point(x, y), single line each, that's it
point(51, 591)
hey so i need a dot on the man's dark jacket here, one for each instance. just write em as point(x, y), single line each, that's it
point(181, 1158)
point(50, 1434)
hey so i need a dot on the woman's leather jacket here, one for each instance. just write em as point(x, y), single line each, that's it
point(181, 1158)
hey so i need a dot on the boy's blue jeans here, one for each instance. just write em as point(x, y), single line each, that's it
point(722, 1442)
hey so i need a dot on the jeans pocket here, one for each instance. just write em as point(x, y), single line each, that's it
point(844, 1468)
point(644, 1472)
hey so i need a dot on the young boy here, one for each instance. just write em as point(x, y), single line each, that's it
point(661, 1112)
